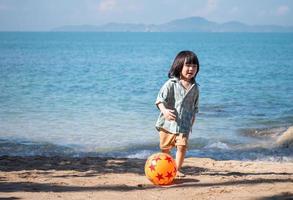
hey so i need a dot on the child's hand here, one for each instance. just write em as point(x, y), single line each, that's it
point(169, 114)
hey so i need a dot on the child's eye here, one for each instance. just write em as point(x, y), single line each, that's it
point(192, 65)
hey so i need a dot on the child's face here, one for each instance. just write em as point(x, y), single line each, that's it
point(188, 71)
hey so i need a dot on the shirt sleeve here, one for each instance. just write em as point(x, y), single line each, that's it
point(164, 93)
point(196, 102)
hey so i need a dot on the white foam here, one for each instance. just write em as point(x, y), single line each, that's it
point(286, 139)
point(217, 145)
point(141, 154)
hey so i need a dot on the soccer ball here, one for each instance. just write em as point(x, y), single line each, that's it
point(160, 169)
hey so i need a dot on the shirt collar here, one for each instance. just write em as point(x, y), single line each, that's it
point(176, 80)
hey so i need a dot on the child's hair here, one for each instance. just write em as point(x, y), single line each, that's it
point(178, 63)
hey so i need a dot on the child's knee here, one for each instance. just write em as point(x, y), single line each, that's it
point(181, 148)
point(166, 151)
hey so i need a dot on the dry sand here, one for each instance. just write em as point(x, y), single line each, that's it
point(107, 178)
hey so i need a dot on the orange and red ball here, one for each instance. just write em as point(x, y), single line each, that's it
point(160, 169)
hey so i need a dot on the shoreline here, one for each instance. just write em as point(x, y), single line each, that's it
point(95, 177)
point(272, 144)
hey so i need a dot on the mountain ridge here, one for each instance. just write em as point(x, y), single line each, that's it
point(189, 24)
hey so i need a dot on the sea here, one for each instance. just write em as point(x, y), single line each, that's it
point(93, 93)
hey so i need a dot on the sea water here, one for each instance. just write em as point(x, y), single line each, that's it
point(93, 93)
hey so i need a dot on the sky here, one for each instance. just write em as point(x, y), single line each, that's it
point(44, 15)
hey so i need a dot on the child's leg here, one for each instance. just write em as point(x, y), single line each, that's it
point(166, 151)
point(180, 155)
point(167, 141)
point(181, 144)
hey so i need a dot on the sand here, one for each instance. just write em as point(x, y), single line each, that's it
point(107, 178)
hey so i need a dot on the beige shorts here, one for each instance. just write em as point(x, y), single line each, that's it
point(169, 140)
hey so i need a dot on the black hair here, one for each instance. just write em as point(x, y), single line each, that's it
point(178, 63)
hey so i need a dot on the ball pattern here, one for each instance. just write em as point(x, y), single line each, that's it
point(160, 169)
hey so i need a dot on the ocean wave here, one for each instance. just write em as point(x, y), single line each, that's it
point(217, 145)
point(265, 150)
point(144, 154)
point(262, 132)
point(248, 153)
point(29, 148)
point(285, 140)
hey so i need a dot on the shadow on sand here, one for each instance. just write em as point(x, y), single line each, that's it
point(281, 196)
point(45, 187)
point(93, 166)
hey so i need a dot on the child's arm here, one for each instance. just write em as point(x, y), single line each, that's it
point(193, 119)
point(168, 113)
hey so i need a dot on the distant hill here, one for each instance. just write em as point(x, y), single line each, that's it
point(191, 24)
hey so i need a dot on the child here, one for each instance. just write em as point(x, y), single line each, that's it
point(178, 103)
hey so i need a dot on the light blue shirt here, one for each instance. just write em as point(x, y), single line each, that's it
point(185, 103)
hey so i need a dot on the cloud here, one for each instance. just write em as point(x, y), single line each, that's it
point(262, 13)
point(282, 10)
point(3, 7)
point(107, 5)
point(235, 9)
point(209, 8)
point(117, 6)
point(211, 5)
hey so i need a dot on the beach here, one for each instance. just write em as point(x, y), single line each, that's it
point(112, 178)
point(78, 115)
